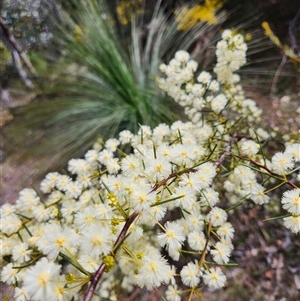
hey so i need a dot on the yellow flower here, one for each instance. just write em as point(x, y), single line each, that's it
point(266, 27)
point(286, 49)
point(188, 18)
point(78, 34)
point(126, 10)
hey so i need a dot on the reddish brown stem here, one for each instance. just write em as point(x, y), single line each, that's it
point(172, 175)
point(98, 274)
point(96, 278)
point(273, 173)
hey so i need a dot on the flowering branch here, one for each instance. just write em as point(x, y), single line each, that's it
point(228, 147)
point(172, 175)
point(88, 219)
point(122, 234)
point(98, 274)
point(202, 259)
point(273, 173)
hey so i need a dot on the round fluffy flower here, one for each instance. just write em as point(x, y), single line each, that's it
point(60, 292)
point(282, 162)
point(131, 165)
point(172, 293)
point(257, 194)
point(182, 154)
point(221, 252)
point(20, 294)
point(194, 221)
point(87, 217)
point(74, 189)
point(182, 56)
point(77, 166)
point(227, 34)
point(113, 166)
point(192, 65)
point(209, 197)
point(173, 236)
point(41, 213)
point(9, 275)
point(226, 231)
point(38, 279)
point(145, 131)
point(292, 223)
point(158, 169)
point(294, 150)
point(190, 274)
point(217, 216)
point(104, 156)
point(204, 78)
point(89, 262)
point(54, 197)
point(249, 148)
point(186, 197)
point(243, 174)
point(153, 272)
point(96, 241)
point(214, 86)
point(91, 156)
point(56, 239)
point(112, 144)
point(157, 212)
point(188, 180)
point(7, 244)
point(141, 199)
point(160, 132)
point(198, 90)
point(214, 278)
point(205, 174)
point(291, 201)
point(162, 67)
point(28, 198)
point(62, 182)
point(218, 103)
point(10, 224)
point(197, 240)
point(21, 253)
point(85, 180)
point(7, 209)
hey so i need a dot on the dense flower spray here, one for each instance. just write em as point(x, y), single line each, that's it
point(126, 214)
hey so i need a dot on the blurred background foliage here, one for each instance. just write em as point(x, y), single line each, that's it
point(29, 21)
point(97, 61)
point(97, 74)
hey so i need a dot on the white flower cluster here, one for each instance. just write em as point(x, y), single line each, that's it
point(118, 213)
point(243, 181)
point(207, 93)
point(84, 213)
point(231, 56)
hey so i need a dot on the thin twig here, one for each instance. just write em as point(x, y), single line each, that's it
point(172, 175)
point(233, 139)
point(277, 73)
point(273, 173)
point(17, 53)
point(292, 33)
point(98, 274)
